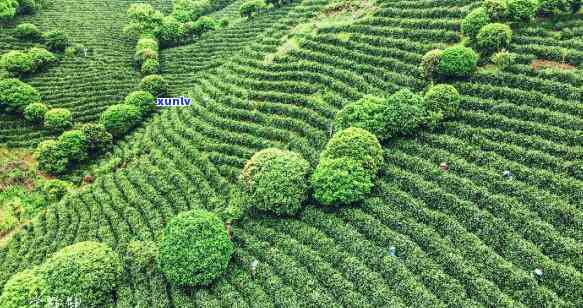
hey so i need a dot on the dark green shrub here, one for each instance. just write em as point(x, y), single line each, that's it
point(58, 119)
point(473, 22)
point(145, 101)
point(575, 5)
point(17, 63)
point(41, 57)
point(155, 84)
point(276, 180)
point(7, 9)
point(366, 113)
point(15, 95)
point(89, 271)
point(496, 9)
point(35, 112)
point(143, 55)
point(357, 144)
point(99, 140)
point(457, 61)
point(195, 248)
point(143, 19)
point(22, 289)
point(341, 181)
point(26, 31)
point(51, 158)
point(54, 190)
point(430, 63)
point(503, 59)
point(170, 32)
point(494, 37)
point(74, 144)
point(443, 99)
point(150, 67)
point(57, 41)
point(252, 7)
point(522, 10)
point(119, 119)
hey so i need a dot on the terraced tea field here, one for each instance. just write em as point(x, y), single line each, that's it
point(502, 227)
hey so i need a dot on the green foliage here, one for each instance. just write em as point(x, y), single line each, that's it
point(457, 61)
point(7, 9)
point(150, 67)
point(473, 22)
point(57, 40)
point(443, 99)
point(496, 9)
point(120, 118)
point(494, 36)
point(17, 62)
point(341, 181)
point(194, 249)
point(27, 31)
point(551, 7)
point(189, 10)
point(99, 140)
point(405, 114)
point(74, 144)
point(250, 8)
point(58, 119)
point(366, 113)
point(54, 190)
point(522, 10)
point(357, 144)
point(276, 181)
point(41, 57)
point(170, 32)
point(141, 255)
point(145, 101)
point(51, 158)
point(35, 112)
point(202, 25)
point(430, 63)
point(22, 289)
point(88, 270)
point(143, 19)
point(29, 6)
point(15, 95)
point(142, 55)
point(155, 84)
point(503, 59)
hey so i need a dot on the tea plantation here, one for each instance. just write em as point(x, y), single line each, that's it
point(337, 153)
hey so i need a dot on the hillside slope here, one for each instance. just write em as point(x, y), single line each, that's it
point(468, 237)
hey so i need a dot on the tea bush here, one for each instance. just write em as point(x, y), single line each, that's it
point(15, 95)
point(35, 112)
point(58, 119)
point(120, 118)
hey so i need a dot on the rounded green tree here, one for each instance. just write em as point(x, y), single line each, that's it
point(74, 144)
point(57, 41)
point(457, 61)
point(430, 63)
point(522, 10)
point(51, 157)
point(35, 112)
point(27, 31)
point(357, 144)
point(276, 181)
point(341, 181)
point(99, 140)
point(195, 248)
point(155, 85)
point(22, 290)
point(15, 95)
point(89, 271)
point(443, 99)
point(17, 63)
point(405, 114)
point(473, 22)
point(58, 119)
point(493, 37)
point(366, 113)
point(145, 101)
point(119, 119)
